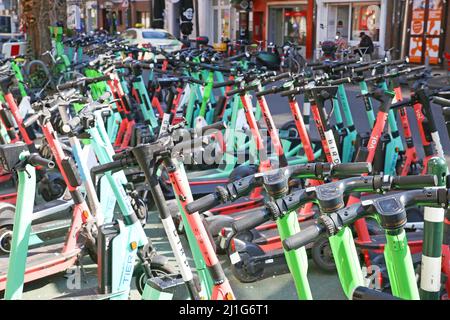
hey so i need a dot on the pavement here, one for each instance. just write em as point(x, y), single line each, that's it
point(323, 285)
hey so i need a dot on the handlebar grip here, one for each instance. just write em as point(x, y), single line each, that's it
point(441, 101)
point(37, 160)
point(250, 221)
point(237, 57)
point(233, 92)
point(203, 204)
point(31, 119)
point(191, 79)
point(224, 84)
point(278, 77)
point(414, 182)
point(220, 125)
point(69, 84)
point(98, 79)
point(294, 91)
point(351, 169)
point(364, 293)
point(340, 81)
point(304, 237)
point(270, 91)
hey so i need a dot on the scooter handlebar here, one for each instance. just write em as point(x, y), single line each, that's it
point(340, 81)
point(31, 119)
point(209, 129)
point(37, 160)
point(203, 204)
point(224, 84)
point(304, 237)
point(250, 221)
point(441, 101)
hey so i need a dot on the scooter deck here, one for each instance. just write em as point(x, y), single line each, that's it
point(41, 262)
point(88, 294)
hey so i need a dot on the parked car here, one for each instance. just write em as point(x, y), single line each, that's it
point(159, 38)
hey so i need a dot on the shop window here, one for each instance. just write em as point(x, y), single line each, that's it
point(366, 18)
point(225, 25)
point(119, 18)
point(295, 26)
point(143, 18)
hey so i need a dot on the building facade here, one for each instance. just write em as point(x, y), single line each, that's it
point(352, 17)
point(427, 33)
point(118, 15)
point(282, 21)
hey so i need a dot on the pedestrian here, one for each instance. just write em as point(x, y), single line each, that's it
point(341, 43)
point(365, 46)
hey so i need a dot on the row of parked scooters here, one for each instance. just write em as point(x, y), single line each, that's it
point(122, 136)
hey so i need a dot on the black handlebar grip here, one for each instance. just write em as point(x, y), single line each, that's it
point(270, 91)
point(224, 84)
point(340, 81)
point(98, 79)
point(401, 104)
point(250, 221)
point(237, 57)
point(203, 204)
point(397, 62)
point(200, 82)
point(414, 182)
point(233, 92)
point(304, 237)
point(351, 169)
point(37, 160)
point(441, 101)
point(364, 293)
point(213, 68)
point(340, 68)
point(31, 119)
point(294, 91)
point(314, 64)
point(220, 125)
point(70, 84)
point(278, 77)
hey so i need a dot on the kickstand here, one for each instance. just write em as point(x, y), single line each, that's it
point(80, 264)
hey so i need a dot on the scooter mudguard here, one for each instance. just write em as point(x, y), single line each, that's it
point(390, 164)
point(124, 247)
point(347, 261)
point(400, 267)
point(21, 234)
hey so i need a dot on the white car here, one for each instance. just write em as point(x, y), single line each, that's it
point(158, 38)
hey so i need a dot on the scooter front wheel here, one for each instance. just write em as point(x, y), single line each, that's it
point(5, 239)
point(322, 255)
point(157, 270)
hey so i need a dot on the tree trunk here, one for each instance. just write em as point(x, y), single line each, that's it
point(36, 17)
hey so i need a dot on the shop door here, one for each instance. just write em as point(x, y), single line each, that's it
point(275, 31)
point(426, 40)
point(258, 26)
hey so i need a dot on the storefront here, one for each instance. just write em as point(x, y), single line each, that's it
point(350, 18)
point(427, 30)
point(91, 13)
point(283, 21)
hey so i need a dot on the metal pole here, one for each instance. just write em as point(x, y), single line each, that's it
point(405, 29)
